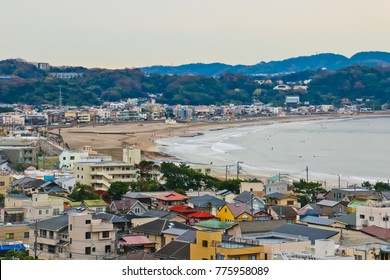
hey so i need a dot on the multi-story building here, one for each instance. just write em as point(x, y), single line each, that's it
point(101, 174)
point(373, 214)
point(15, 233)
point(73, 236)
point(5, 180)
point(21, 208)
point(67, 158)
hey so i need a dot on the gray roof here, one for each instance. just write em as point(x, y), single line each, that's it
point(158, 226)
point(136, 195)
point(174, 231)
point(109, 217)
point(317, 220)
point(159, 214)
point(223, 192)
point(260, 226)
point(64, 179)
point(311, 233)
point(176, 250)
point(204, 200)
point(328, 203)
point(276, 195)
point(54, 224)
point(245, 197)
point(18, 195)
point(386, 195)
point(188, 236)
point(349, 219)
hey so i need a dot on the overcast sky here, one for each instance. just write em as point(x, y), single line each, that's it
point(134, 33)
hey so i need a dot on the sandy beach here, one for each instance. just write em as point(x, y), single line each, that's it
point(112, 138)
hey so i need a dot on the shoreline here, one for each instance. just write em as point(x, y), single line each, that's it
point(112, 138)
point(143, 135)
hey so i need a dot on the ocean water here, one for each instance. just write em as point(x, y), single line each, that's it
point(355, 150)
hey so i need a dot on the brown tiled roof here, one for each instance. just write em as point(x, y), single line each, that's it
point(238, 208)
point(377, 232)
point(135, 240)
point(171, 196)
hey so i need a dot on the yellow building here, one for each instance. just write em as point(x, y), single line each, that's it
point(5, 180)
point(209, 246)
point(15, 232)
point(234, 212)
point(280, 199)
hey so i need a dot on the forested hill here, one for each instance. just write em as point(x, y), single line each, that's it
point(328, 60)
point(22, 82)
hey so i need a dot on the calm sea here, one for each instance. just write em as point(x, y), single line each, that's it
point(354, 149)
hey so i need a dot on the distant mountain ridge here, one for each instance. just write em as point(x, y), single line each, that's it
point(326, 60)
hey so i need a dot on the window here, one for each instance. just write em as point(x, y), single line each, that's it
point(51, 249)
point(63, 158)
point(205, 243)
point(93, 249)
point(371, 218)
point(9, 236)
point(87, 235)
point(235, 258)
point(41, 246)
point(47, 211)
point(290, 202)
point(87, 250)
point(252, 257)
point(71, 157)
point(70, 241)
point(361, 216)
point(385, 218)
point(51, 234)
point(40, 212)
point(27, 234)
point(107, 249)
point(99, 209)
point(56, 211)
point(43, 233)
point(87, 222)
point(106, 234)
point(70, 227)
point(70, 255)
point(2, 184)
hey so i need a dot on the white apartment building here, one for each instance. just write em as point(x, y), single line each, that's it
point(100, 175)
point(373, 214)
point(67, 158)
point(41, 207)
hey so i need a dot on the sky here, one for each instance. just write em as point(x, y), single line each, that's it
point(136, 33)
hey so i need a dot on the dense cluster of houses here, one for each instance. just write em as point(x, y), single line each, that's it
point(262, 222)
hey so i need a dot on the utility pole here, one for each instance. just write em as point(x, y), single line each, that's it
point(36, 239)
point(238, 168)
point(307, 174)
point(60, 103)
point(226, 172)
point(252, 196)
point(339, 181)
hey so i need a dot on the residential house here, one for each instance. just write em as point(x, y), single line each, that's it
point(153, 230)
point(225, 195)
point(101, 175)
point(254, 203)
point(385, 196)
point(351, 207)
point(276, 187)
point(199, 216)
point(337, 194)
point(131, 243)
point(13, 211)
point(280, 199)
point(310, 220)
point(67, 183)
point(255, 187)
point(27, 185)
point(209, 245)
point(207, 203)
point(288, 213)
point(128, 206)
point(379, 232)
point(164, 200)
point(144, 199)
point(331, 208)
point(348, 219)
point(183, 210)
point(234, 212)
point(97, 205)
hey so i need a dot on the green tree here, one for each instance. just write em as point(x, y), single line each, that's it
point(381, 187)
point(232, 185)
point(117, 189)
point(17, 255)
point(307, 191)
point(83, 192)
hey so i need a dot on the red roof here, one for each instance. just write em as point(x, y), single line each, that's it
point(201, 215)
point(135, 240)
point(184, 209)
point(377, 231)
point(171, 196)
